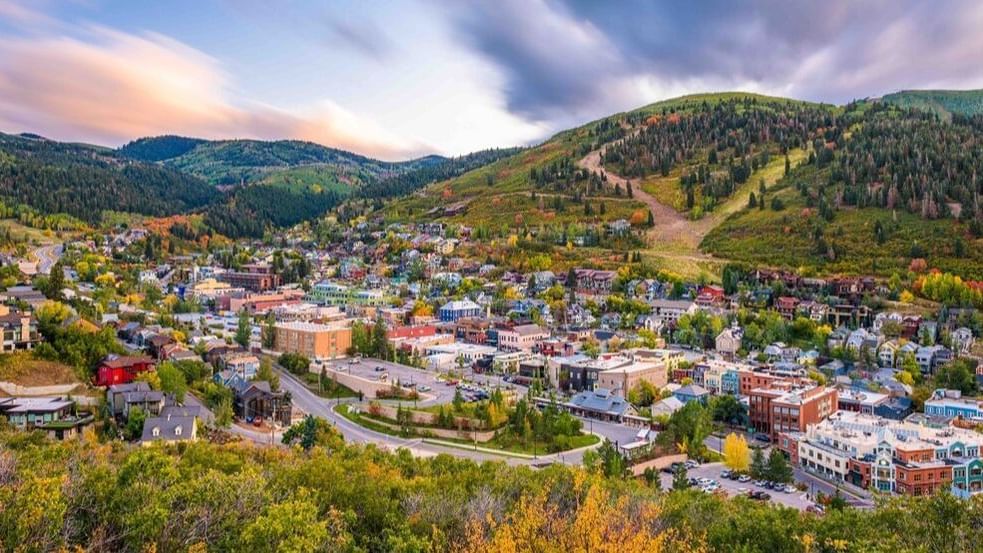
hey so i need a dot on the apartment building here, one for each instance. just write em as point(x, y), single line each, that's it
point(775, 410)
point(316, 341)
point(521, 337)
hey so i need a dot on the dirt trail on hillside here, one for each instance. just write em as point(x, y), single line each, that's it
point(671, 226)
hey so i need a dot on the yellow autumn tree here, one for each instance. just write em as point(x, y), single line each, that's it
point(737, 456)
point(599, 523)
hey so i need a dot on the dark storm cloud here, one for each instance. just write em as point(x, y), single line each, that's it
point(584, 56)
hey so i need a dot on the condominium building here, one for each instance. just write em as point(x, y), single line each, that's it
point(316, 341)
point(913, 457)
point(333, 293)
point(775, 410)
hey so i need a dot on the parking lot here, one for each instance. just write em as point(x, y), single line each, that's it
point(432, 391)
point(797, 500)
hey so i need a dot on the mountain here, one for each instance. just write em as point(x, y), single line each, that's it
point(83, 181)
point(234, 162)
point(944, 102)
point(706, 179)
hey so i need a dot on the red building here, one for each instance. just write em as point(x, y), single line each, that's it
point(122, 370)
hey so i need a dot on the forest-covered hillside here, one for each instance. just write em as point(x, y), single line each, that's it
point(55, 177)
point(943, 102)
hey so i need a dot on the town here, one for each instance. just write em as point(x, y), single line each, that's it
point(838, 389)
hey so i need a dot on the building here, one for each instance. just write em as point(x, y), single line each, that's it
point(316, 341)
point(255, 400)
point(728, 342)
point(256, 277)
point(909, 457)
point(951, 405)
point(20, 330)
point(332, 293)
point(668, 312)
point(115, 369)
point(775, 410)
point(598, 404)
point(169, 429)
point(120, 398)
point(627, 377)
point(245, 365)
point(458, 309)
point(692, 392)
point(593, 282)
point(521, 337)
point(55, 415)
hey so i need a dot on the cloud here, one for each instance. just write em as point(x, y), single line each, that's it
point(364, 38)
point(572, 57)
point(115, 86)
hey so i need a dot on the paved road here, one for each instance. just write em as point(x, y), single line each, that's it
point(47, 256)
point(817, 484)
point(311, 403)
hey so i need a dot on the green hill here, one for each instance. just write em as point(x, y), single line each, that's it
point(944, 102)
point(83, 181)
point(234, 162)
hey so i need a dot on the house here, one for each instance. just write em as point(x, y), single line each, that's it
point(115, 369)
point(255, 400)
point(245, 365)
point(861, 340)
point(787, 306)
point(930, 358)
point(20, 330)
point(599, 404)
point(692, 392)
point(728, 342)
point(887, 353)
point(53, 414)
point(169, 429)
point(962, 340)
point(122, 398)
point(459, 309)
point(666, 407)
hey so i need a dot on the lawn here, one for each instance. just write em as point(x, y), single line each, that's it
point(499, 442)
point(785, 238)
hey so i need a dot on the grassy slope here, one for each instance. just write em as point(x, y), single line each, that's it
point(511, 175)
point(784, 239)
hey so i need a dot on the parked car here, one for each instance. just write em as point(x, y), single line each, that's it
point(378, 369)
point(423, 388)
point(725, 473)
point(790, 488)
point(815, 509)
point(762, 437)
point(744, 479)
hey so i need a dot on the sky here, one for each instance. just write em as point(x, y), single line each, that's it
point(403, 78)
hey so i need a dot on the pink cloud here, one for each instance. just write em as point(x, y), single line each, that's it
point(119, 86)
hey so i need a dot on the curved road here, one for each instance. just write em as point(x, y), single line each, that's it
point(46, 256)
point(311, 403)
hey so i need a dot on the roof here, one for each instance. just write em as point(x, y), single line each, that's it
point(601, 401)
point(126, 361)
point(167, 428)
point(692, 390)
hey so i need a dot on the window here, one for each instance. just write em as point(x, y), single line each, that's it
point(177, 431)
point(156, 431)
